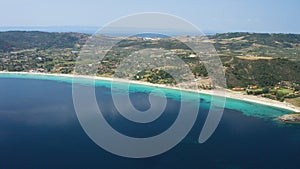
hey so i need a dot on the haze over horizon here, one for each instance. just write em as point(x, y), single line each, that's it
point(210, 16)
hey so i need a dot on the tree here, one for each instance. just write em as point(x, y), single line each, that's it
point(279, 95)
point(265, 90)
point(297, 88)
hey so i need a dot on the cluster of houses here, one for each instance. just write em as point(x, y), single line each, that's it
point(280, 85)
point(37, 70)
point(243, 89)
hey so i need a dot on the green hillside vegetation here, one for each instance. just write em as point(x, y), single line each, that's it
point(248, 58)
point(20, 40)
point(258, 44)
point(241, 73)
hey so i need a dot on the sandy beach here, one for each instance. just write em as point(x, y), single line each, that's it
point(217, 92)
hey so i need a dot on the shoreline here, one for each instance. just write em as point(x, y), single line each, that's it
point(221, 92)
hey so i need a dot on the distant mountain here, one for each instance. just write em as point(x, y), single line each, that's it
point(83, 29)
point(77, 29)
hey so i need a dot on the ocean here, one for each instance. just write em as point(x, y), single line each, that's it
point(39, 129)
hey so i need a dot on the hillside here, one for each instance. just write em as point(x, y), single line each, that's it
point(248, 58)
point(20, 40)
point(258, 58)
point(258, 44)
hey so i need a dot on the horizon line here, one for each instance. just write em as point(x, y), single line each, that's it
point(93, 29)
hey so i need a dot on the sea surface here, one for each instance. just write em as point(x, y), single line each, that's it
point(39, 129)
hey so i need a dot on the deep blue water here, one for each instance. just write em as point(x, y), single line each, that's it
point(39, 129)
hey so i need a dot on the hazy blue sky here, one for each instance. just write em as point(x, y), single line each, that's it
point(209, 15)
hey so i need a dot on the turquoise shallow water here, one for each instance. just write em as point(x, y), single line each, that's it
point(247, 108)
point(39, 128)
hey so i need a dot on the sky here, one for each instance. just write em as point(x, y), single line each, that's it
point(209, 15)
